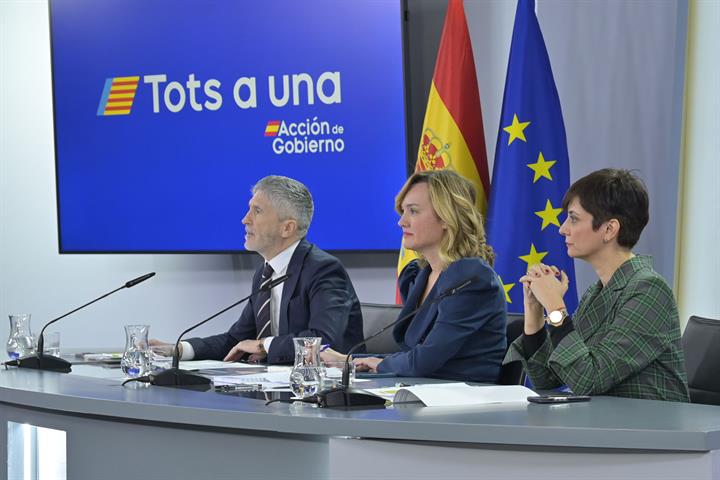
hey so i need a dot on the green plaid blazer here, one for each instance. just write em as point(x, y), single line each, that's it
point(626, 341)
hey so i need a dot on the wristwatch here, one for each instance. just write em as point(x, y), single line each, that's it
point(557, 317)
point(262, 347)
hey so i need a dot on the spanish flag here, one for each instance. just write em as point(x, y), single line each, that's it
point(452, 134)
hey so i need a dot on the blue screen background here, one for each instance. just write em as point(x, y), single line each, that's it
point(180, 181)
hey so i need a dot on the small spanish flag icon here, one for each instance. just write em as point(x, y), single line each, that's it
point(272, 127)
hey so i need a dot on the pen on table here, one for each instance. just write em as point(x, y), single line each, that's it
point(324, 347)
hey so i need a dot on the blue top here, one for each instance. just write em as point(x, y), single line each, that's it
point(461, 337)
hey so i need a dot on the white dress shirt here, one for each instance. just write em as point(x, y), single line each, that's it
point(279, 264)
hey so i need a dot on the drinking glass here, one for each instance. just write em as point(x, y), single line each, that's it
point(333, 374)
point(21, 342)
point(52, 344)
point(135, 361)
point(307, 372)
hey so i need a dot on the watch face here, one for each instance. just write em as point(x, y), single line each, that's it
point(556, 317)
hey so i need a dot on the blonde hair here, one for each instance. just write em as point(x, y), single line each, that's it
point(453, 199)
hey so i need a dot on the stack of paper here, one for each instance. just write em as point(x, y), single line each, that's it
point(208, 364)
point(103, 357)
point(455, 394)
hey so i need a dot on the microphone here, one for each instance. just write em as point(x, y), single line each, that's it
point(178, 378)
point(40, 361)
point(134, 282)
point(346, 396)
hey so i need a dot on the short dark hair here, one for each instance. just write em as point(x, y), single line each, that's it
point(613, 193)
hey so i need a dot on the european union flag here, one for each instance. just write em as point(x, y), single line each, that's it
point(531, 172)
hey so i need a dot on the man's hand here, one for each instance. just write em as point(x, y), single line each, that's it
point(364, 364)
point(253, 347)
point(257, 357)
point(165, 349)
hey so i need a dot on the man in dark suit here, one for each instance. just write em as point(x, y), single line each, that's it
point(317, 300)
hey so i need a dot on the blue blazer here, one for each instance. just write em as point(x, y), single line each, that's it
point(461, 337)
point(318, 300)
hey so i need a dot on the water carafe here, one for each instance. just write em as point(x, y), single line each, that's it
point(20, 342)
point(307, 372)
point(135, 361)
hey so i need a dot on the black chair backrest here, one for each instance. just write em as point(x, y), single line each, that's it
point(375, 317)
point(512, 373)
point(701, 345)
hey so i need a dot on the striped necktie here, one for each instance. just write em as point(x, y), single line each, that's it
point(262, 316)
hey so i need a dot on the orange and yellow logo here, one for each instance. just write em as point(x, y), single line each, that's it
point(272, 128)
point(118, 96)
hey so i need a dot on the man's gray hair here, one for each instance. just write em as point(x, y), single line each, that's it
point(290, 198)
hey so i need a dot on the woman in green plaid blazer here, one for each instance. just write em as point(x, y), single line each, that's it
point(624, 338)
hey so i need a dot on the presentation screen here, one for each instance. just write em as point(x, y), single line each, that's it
point(168, 111)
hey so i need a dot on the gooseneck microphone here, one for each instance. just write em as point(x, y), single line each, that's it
point(40, 361)
point(178, 378)
point(141, 279)
point(346, 396)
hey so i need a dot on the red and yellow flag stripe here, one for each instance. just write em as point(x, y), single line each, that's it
point(118, 95)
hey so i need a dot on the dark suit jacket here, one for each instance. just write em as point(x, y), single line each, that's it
point(318, 300)
point(461, 337)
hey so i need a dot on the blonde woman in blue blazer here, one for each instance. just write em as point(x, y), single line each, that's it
point(460, 337)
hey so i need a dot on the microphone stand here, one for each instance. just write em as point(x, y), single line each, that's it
point(40, 361)
point(178, 378)
point(345, 396)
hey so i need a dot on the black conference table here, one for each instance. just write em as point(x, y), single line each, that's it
point(113, 432)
